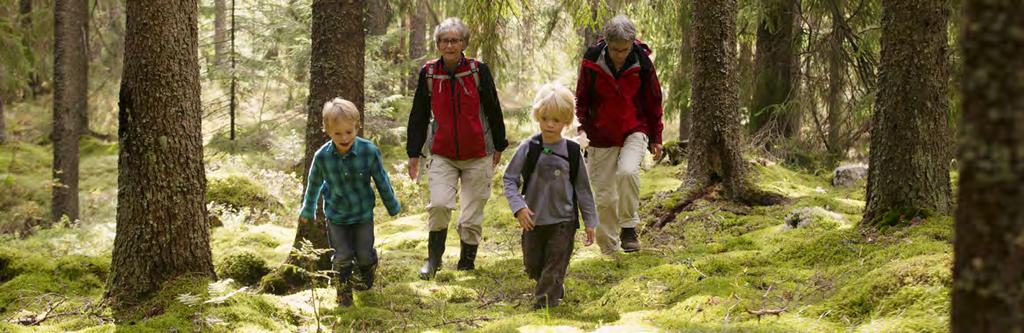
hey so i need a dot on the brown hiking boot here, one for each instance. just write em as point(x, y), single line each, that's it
point(343, 284)
point(630, 242)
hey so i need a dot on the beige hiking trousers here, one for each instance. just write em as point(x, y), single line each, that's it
point(443, 177)
point(615, 177)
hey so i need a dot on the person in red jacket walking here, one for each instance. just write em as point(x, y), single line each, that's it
point(456, 114)
point(618, 105)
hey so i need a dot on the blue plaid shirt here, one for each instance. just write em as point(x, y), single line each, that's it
point(344, 181)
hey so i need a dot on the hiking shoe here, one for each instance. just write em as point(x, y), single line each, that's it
point(629, 240)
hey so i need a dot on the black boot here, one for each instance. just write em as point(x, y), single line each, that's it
point(343, 284)
point(467, 257)
point(630, 242)
point(366, 277)
point(435, 250)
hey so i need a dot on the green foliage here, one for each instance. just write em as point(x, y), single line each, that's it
point(245, 267)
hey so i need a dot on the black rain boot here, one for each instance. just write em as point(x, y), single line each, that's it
point(343, 284)
point(467, 256)
point(366, 277)
point(630, 242)
point(435, 250)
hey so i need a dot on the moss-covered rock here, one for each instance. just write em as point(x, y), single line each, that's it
point(245, 267)
point(239, 192)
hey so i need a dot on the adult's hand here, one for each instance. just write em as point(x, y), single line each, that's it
point(656, 150)
point(590, 237)
point(495, 159)
point(413, 167)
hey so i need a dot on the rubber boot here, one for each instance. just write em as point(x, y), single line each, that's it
point(629, 240)
point(435, 250)
point(343, 285)
point(366, 277)
point(467, 257)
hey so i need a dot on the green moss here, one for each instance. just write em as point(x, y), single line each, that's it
point(245, 267)
point(880, 291)
point(240, 192)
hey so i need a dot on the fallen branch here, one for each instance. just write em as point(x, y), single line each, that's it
point(766, 312)
point(683, 205)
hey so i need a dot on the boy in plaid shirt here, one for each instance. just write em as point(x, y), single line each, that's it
point(341, 172)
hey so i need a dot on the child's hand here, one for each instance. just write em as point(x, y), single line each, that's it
point(525, 217)
point(590, 236)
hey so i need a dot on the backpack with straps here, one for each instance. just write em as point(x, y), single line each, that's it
point(474, 70)
point(536, 147)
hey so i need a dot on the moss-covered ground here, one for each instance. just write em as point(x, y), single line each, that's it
point(718, 267)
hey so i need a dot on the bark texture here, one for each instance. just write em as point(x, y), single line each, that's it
point(683, 80)
point(336, 70)
point(162, 232)
point(417, 40)
point(220, 13)
point(987, 291)
point(836, 81)
point(715, 138)
point(776, 70)
point(377, 15)
point(70, 96)
point(910, 139)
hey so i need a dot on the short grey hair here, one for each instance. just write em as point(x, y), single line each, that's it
point(452, 24)
point(619, 29)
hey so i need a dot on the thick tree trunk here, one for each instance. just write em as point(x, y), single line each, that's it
point(836, 81)
point(774, 67)
point(377, 17)
point(220, 13)
point(987, 291)
point(162, 231)
point(910, 139)
point(417, 40)
point(715, 137)
point(336, 70)
point(70, 94)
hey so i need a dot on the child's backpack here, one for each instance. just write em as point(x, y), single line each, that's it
point(533, 154)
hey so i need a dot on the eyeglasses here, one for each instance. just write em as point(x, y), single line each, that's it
point(449, 41)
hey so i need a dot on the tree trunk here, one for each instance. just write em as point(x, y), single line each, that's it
point(70, 96)
point(220, 13)
point(377, 17)
point(417, 40)
point(714, 152)
point(987, 291)
point(745, 69)
point(590, 33)
point(774, 66)
point(3, 123)
point(684, 78)
point(35, 84)
point(162, 232)
point(336, 70)
point(910, 139)
point(836, 82)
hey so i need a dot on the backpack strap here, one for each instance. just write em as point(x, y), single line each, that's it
point(575, 156)
point(532, 155)
point(430, 78)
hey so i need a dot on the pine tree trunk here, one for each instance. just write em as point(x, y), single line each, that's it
point(220, 41)
point(377, 17)
point(836, 81)
point(987, 291)
point(774, 64)
point(714, 152)
point(745, 69)
point(70, 94)
point(910, 139)
point(336, 70)
point(684, 78)
point(162, 232)
point(417, 40)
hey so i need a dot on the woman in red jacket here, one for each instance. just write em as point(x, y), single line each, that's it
point(618, 104)
point(456, 114)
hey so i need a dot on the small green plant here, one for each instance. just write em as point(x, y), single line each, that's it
point(309, 254)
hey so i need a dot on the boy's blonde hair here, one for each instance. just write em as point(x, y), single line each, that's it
point(555, 101)
point(340, 109)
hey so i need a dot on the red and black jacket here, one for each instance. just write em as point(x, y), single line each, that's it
point(464, 119)
point(610, 106)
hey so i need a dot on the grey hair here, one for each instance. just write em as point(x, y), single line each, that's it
point(619, 29)
point(452, 24)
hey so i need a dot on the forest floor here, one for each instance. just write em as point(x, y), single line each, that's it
point(717, 267)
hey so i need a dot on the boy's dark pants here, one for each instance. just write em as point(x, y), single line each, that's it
point(352, 243)
point(546, 253)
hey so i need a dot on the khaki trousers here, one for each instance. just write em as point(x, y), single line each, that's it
point(615, 177)
point(443, 177)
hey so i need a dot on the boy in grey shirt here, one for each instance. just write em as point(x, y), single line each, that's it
point(547, 187)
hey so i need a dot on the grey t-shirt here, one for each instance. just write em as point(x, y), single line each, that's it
point(549, 194)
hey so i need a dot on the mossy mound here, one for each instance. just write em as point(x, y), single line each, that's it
point(246, 268)
point(239, 192)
